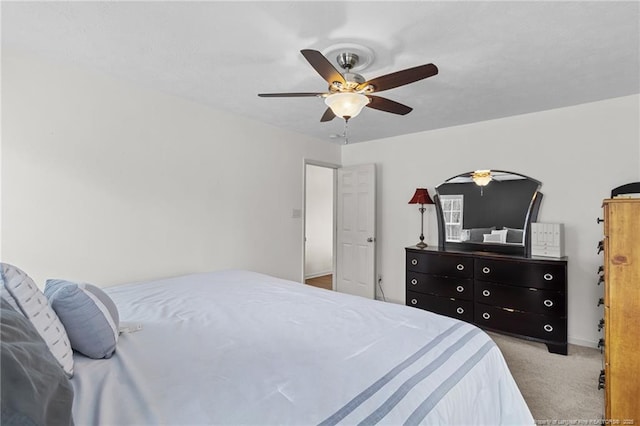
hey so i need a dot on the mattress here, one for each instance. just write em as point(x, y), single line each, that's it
point(242, 348)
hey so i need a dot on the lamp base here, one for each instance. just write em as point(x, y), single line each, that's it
point(421, 244)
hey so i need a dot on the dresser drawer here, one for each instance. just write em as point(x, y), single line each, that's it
point(523, 323)
point(521, 298)
point(550, 276)
point(460, 288)
point(455, 308)
point(439, 264)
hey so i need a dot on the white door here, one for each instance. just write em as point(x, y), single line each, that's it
point(356, 247)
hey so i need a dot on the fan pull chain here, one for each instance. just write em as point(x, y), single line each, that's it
point(346, 127)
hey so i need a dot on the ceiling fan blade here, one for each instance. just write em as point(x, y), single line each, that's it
point(322, 66)
point(400, 78)
point(387, 105)
point(289, 95)
point(328, 115)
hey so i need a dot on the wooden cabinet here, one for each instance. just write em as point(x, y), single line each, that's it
point(622, 309)
point(521, 296)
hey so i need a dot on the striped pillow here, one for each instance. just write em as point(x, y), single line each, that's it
point(33, 304)
point(88, 314)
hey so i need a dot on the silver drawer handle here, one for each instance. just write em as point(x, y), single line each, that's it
point(548, 328)
point(548, 277)
point(486, 270)
point(486, 315)
point(414, 262)
point(486, 293)
point(459, 289)
point(459, 266)
point(414, 302)
point(414, 281)
point(548, 303)
point(460, 311)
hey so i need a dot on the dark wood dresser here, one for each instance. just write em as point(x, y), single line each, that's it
point(516, 295)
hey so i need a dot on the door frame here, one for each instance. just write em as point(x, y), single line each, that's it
point(335, 168)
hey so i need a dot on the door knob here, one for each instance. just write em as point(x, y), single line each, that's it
point(370, 239)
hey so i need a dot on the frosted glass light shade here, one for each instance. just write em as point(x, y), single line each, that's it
point(346, 104)
point(481, 177)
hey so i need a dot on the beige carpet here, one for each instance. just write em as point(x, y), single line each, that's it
point(556, 387)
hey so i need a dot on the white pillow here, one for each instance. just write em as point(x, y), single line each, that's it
point(491, 238)
point(34, 305)
point(88, 314)
point(502, 233)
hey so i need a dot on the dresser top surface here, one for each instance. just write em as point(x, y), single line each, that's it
point(485, 254)
point(620, 200)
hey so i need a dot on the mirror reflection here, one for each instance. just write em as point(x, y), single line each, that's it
point(487, 207)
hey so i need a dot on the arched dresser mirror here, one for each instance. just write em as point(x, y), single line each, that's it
point(487, 211)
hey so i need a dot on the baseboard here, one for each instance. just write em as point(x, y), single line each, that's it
point(318, 274)
point(583, 342)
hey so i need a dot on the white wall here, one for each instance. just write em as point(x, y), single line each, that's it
point(107, 182)
point(319, 221)
point(579, 153)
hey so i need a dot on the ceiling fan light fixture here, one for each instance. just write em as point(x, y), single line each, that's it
point(346, 104)
point(349, 92)
point(481, 177)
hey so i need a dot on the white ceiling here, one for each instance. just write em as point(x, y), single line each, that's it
point(496, 59)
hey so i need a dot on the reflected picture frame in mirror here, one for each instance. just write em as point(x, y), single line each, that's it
point(487, 210)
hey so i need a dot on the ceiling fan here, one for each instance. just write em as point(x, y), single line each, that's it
point(349, 92)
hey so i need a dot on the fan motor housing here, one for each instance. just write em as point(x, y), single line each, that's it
point(353, 77)
point(347, 60)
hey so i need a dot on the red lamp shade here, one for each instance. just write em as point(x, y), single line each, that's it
point(421, 197)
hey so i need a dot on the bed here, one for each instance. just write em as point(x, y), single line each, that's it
point(242, 348)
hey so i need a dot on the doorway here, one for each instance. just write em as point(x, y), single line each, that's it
point(319, 225)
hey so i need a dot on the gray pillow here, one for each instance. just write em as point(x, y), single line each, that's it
point(476, 235)
point(514, 235)
point(88, 314)
point(35, 390)
point(4, 294)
